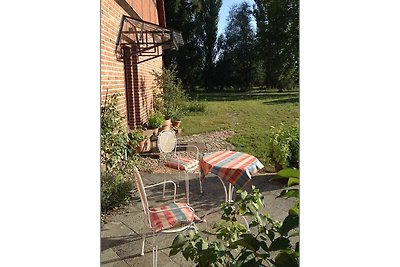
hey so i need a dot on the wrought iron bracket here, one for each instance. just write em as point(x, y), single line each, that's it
point(144, 39)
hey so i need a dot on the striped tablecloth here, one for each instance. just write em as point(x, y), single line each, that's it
point(234, 167)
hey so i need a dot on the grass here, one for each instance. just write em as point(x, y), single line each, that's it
point(250, 114)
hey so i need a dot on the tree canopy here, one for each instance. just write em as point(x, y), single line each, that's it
point(242, 57)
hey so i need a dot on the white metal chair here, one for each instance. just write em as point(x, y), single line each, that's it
point(167, 144)
point(170, 218)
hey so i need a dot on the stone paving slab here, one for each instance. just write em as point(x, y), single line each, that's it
point(121, 236)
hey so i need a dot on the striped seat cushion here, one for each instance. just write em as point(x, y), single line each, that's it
point(168, 219)
point(182, 163)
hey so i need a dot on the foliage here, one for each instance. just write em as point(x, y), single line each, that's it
point(115, 190)
point(170, 101)
point(114, 136)
point(136, 135)
point(115, 168)
point(182, 15)
point(238, 63)
point(267, 243)
point(278, 41)
point(156, 120)
point(270, 55)
point(195, 106)
point(208, 19)
point(283, 145)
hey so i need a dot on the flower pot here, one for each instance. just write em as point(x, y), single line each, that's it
point(167, 124)
point(148, 132)
point(155, 131)
point(140, 147)
point(176, 123)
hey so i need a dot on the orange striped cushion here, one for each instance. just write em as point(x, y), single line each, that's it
point(171, 218)
point(181, 163)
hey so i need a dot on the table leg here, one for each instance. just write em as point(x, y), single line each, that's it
point(226, 199)
point(230, 192)
point(225, 190)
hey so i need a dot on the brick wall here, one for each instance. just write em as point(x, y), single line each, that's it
point(134, 82)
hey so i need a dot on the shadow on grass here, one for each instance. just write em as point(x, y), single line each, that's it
point(282, 101)
point(236, 96)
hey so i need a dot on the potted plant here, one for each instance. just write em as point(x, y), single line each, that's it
point(283, 146)
point(156, 120)
point(173, 94)
point(176, 117)
point(167, 118)
point(136, 140)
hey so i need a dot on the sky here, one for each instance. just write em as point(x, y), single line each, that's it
point(224, 12)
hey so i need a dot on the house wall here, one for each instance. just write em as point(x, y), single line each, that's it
point(134, 82)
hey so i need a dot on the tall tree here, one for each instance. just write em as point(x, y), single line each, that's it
point(208, 19)
point(181, 16)
point(238, 48)
point(278, 41)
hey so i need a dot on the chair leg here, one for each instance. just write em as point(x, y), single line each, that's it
point(155, 250)
point(163, 191)
point(156, 255)
point(187, 186)
point(179, 177)
point(144, 239)
point(201, 186)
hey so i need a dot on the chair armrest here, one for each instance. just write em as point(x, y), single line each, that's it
point(162, 183)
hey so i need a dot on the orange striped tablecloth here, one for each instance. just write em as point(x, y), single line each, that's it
point(234, 167)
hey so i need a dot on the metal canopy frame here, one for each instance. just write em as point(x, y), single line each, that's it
point(145, 39)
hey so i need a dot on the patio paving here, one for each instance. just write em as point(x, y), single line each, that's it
point(121, 236)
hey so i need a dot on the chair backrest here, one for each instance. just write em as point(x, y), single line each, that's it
point(140, 188)
point(166, 141)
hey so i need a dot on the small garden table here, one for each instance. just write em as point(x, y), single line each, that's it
point(231, 166)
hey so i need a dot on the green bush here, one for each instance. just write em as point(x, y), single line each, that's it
point(115, 191)
point(136, 135)
point(268, 243)
point(172, 98)
point(114, 136)
point(115, 167)
point(196, 107)
point(156, 120)
point(283, 145)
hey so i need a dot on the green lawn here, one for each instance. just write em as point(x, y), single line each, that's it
point(250, 114)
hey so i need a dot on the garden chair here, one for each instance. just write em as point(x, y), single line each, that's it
point(170, 218)
point(167, 144)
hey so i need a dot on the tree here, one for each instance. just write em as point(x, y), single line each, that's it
point(238, 49)
point(208, 19)
point(278, 41)
point(181, 16)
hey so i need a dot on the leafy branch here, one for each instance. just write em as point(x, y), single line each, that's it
point(266, 243)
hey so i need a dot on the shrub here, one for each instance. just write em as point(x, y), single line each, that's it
point(156, 120)
point(196, 107)
point(115, 191)
point(135, 136)
point(268, 243)
point(114, 136)
point(115, 168)
point(172, 98)
point(283, 145)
